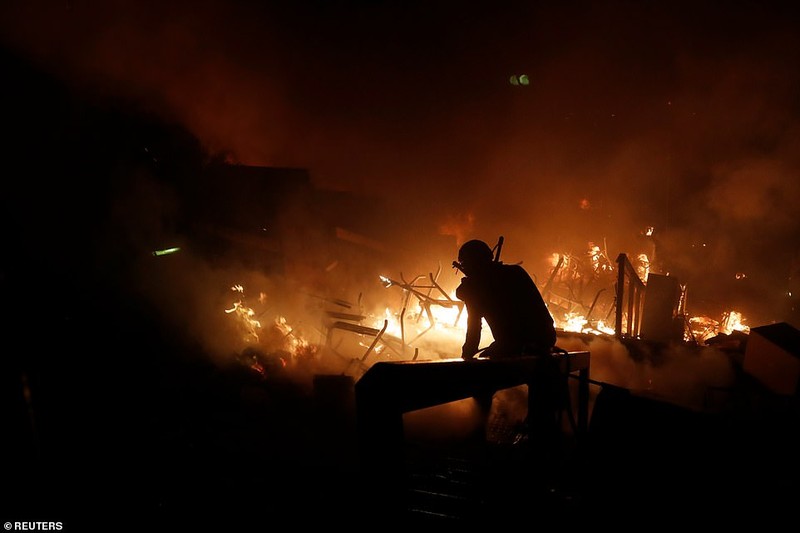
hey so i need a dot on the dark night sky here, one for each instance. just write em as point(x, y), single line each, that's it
point(679, 115)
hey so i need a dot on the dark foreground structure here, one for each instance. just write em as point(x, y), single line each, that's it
point(173, 440)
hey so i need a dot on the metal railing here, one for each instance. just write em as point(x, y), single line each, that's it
point(629, 299)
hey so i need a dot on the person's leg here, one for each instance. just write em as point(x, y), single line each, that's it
point(544, 401)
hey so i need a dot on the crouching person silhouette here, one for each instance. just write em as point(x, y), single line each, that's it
point(506, 297)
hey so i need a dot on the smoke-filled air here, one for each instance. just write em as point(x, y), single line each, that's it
point(665, 131)
point(219, 218)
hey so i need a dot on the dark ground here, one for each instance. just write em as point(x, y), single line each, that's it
point(145, 433)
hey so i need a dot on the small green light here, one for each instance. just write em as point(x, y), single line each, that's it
point(516, 80)
point(166, 251)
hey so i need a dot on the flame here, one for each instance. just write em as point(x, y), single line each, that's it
point(574, 323)
point(394, 327)
point(280, 338)
point(704, 328)
point(293, 341)
point(555, 257)
point(604, 329)
point(595, 255)
point(598, 259)
point(435, 321)
point(733, 321)
point(642, 267)
point(244, 316)
point(431, 318)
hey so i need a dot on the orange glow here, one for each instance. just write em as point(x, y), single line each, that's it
point(459, 226)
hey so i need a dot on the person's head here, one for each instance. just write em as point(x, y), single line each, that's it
point(474, 256)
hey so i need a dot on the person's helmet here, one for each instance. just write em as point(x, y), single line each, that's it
point(474, 254)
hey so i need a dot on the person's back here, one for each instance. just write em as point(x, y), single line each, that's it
point(513, 308)
point(508, 299)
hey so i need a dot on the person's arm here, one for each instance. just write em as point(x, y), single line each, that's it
point(473, 337)
point(466, 293)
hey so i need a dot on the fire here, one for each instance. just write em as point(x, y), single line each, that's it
point(429, 318)
point(293, 342)
point(599, 259)
point(642, 267)
point(733, 321)
point(279, 342)
point(574, 323)
point(395, 325)
point(429, 314)
point(244, 316)
point(433, 323)
point(704, 328)
point(602, 328)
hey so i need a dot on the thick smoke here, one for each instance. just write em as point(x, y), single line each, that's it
point(680, 117)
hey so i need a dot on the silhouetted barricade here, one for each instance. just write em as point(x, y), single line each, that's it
point(388, 390)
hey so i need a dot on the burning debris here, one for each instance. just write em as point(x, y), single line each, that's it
point(244, 314)
point(579, 290)
point(423, 318)
point(583, 292)
point(703, 329)
point(262, 364)
point(430, 301)
point(269, 350)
